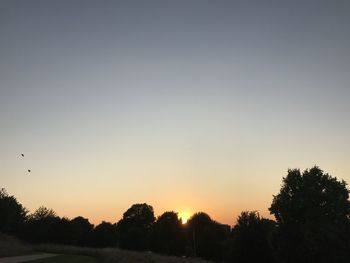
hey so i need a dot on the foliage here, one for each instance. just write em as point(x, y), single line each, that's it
point(12, 213)
point(140, 214)
point(42, 213)
point(206, 236)
point(168, 235)
point(312, 211)
point(134, 229)
point(311, 197)
point(104, 235)
point(81, 230)
point(249, 240)
point(42, 226)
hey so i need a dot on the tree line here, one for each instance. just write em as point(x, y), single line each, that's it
point(312, 224)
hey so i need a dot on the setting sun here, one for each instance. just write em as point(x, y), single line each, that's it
point(184, 215)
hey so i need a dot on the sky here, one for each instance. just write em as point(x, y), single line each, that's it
point(185, 105)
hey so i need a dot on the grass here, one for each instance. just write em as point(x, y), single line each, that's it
point(66, 259)
point(10, 246)
point(115, 255)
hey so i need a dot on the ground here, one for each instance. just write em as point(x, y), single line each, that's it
point(66, 259)
point(10, 246)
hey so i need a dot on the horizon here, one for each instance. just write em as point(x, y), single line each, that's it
point(188, 106)
point(183, 215)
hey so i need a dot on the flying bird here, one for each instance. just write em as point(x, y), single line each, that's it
point(22, 154)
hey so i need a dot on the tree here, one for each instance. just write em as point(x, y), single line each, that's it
point(104, 235)
point(12, 213)
point(81, 230)
point(249, 240)
point(168, 236)
point(140, 214)
point(312, 210)
point(134, 228)
point(63, 231)
point(41, 226)
point(206, 236)
point(43, 213)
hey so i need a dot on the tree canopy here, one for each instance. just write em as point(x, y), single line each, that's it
point(206, 236)
point(12, 213)
point(311, 196)
point(312, 212)
point(168, 236)
point(250, 239)
point(134, 229)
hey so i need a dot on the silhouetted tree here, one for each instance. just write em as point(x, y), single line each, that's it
point(206, 236)
point(250, 239)
point(168, 236)
point(12, 213)
point(81, 231)
point(104, 235)
point(41, 226)
point(134, 228)
point(43, 213)
point(63, 231)
point(44, 226)
point(312, 211)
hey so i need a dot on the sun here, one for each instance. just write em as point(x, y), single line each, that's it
point(184, 215)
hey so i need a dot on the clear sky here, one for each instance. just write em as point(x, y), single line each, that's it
point(186, 105)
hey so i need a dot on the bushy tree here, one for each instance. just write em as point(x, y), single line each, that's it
point(312, 210)
point(250, 239)
point(44, 226)
point(206, 236)
point(63, 231)
point(41, 226)
point(168, 236)
point(43, 213)
point(81, 231)
point(104, 235)
point(134, 229)
point(12, 213)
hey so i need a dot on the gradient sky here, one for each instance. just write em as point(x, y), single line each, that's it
point(186, 105)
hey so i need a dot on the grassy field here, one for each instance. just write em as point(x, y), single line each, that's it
point(66, 259)
point(111, 255)
point(10, 246)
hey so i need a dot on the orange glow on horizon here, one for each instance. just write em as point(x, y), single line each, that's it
point(184, 216)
